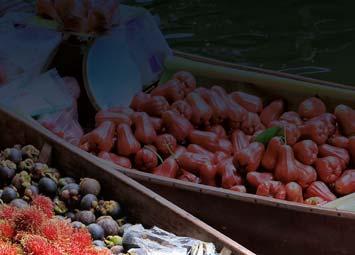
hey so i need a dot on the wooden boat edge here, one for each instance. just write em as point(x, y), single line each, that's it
point(212, 61)
point(233, 195)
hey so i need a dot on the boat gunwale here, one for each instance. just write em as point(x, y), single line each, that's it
point(296, 77)
point(229, 194)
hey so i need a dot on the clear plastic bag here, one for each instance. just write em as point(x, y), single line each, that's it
point(65, 123)
point(155, 241)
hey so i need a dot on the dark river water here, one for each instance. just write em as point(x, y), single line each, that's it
point(311, 38)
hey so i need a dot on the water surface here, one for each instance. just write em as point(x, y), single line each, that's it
point(311, 38)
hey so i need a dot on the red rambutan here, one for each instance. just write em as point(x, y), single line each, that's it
point(34, 230)
point(7, 231)
point(49, 231)
point(81, 243)
point(90, 250)
point(44, 204)
point(9, 249)
point(58, 230)
point(8, 212)
point(29, 219)
point(81, 238)
point(38, 245)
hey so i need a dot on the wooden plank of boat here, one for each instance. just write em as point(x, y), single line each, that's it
point(142, 205)
point(258, 222)
point(277, 74)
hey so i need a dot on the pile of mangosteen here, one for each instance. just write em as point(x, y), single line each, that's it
point(22, 177)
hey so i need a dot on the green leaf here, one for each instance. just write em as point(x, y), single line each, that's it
point(166, 76)
point(268, 134)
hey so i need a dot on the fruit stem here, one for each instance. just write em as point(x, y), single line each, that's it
point(156, 153)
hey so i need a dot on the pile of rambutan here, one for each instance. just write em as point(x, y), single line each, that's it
point(35, 230)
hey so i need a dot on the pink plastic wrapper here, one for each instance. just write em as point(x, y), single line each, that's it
point(80, 15)
point(65, 123)
point(71, 8)
point(101, 14)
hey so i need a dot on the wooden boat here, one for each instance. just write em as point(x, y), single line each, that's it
point(142, 205)
point(267, 226)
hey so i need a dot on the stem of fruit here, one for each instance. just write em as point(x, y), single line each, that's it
point(170, 151)
point(156, 153)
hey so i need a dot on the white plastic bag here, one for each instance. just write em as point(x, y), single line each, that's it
point(36, 95)
point(146, 43)
point(26, 49)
